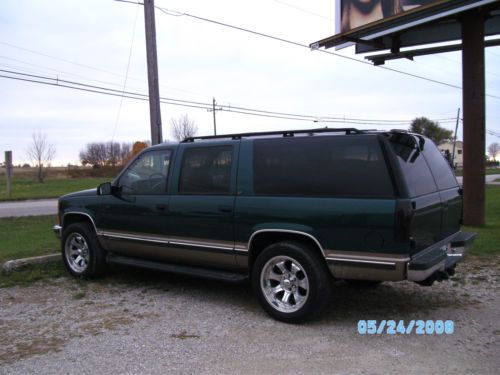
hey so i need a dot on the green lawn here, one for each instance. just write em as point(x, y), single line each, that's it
point(23, 188)
point(27, 236)
point(488, 171)
point(488, 240)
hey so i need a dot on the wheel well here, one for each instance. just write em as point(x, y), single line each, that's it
point(73, 218)
point(263, 240)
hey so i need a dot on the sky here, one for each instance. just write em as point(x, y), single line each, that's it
point(102, 43)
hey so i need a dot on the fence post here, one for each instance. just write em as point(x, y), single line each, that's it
point(8, 168)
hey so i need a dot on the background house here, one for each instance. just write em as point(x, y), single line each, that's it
point(447, 149)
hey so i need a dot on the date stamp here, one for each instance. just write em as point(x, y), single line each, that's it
point(417, 327)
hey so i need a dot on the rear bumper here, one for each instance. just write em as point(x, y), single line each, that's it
point(430, 263)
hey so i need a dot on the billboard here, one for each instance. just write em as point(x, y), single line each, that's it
point(351, 14)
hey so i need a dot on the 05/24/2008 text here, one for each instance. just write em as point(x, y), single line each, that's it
point(418, 327)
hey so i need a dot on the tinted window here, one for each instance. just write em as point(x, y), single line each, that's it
point(439, 166)
point(206, 170)
point(147, 175)
point(416, 171)
point(321, 166)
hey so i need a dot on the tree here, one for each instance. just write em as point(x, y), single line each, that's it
point(41, 153)
point(493, 150)
point(431, 129)
point(183, 127)
point(138, 147)
point(113, 151)
point(94, 154)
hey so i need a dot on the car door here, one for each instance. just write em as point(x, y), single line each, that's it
point(133, 220)
point(201, 209)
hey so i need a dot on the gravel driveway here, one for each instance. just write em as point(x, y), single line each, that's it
point(138, 322)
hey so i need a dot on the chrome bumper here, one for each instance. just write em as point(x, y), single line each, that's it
point(57, 230)
point(448, 255)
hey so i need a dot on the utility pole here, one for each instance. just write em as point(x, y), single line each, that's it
point(214, 103)
point(8, 170)
point(213, 110)
point(153, 81)
point(455, 141)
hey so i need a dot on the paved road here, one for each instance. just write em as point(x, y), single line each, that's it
point(490, 179)
point(28, 208)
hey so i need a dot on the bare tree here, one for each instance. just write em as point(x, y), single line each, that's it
point(493, 150)
point(94, 154)
point(183, 127)
point(125, 152)
point(113, 153)
point(41, 153)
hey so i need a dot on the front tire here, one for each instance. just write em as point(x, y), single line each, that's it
point(291, 282)
point(81, 251)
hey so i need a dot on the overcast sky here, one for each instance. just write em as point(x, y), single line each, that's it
point(89, 41)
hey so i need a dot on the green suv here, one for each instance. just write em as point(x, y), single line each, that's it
point(291, 211)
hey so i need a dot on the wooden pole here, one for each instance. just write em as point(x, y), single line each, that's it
point(474, 117)
point(8, 169)
point(153, 81)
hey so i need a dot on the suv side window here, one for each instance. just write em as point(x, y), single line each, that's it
point(321, 166)
point(206, 170)
point(413, 165)
point(147, 175)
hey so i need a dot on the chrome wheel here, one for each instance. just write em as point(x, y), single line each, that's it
point(285, 284)
point(76, 251)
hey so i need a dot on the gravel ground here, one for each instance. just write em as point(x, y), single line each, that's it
point(139, 322)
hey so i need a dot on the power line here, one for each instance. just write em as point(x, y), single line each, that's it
point(126, 75)
point(32, 78)
point(283, 40)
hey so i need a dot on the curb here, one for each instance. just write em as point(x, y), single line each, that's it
point(11, 265)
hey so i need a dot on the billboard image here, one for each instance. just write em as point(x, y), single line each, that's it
point(352, 14)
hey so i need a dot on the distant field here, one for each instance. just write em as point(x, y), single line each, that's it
point(59, 181)
point(51, 188)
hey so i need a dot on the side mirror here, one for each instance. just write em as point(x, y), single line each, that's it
point(104, 189)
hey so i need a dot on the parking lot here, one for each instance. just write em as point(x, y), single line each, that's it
point(138, 322)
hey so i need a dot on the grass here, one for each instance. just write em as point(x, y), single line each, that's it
point(23, 188)
point(27, 236)
point(488, 239)
point(488, 171)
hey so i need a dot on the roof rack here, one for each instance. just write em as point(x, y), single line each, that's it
point(284, 133)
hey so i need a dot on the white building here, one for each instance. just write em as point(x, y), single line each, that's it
point(447, 149)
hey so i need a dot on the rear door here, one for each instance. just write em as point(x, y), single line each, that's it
point(449, 190)
point(425, 225)
point(201, 217)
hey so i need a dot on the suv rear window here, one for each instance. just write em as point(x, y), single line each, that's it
point(440, 168)
point(321, 166)
point(417, 174)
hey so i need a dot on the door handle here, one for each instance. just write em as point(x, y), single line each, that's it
point(226, 209)
point(162, 207)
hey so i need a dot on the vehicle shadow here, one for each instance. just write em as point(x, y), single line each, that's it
point(390, 300)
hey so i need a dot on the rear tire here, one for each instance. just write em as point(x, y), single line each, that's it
point(82, 254)
point(291, 282)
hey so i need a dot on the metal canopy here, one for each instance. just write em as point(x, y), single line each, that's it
point(436, 23)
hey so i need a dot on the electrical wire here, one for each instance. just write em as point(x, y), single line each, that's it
point(117, 120)
point(34, 78)
point(176, 13)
